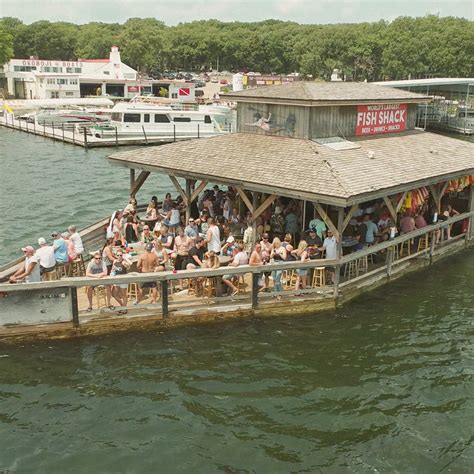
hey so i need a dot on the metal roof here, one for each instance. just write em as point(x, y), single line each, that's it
point(446, 84)
point(324, 93)
point(303, 169)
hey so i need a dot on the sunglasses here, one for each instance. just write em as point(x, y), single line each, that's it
point(120, 255)
point(97, 258)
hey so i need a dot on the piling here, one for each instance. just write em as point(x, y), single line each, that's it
point(85, 137)
point(144, 134)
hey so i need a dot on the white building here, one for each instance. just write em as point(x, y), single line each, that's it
point(45, 79)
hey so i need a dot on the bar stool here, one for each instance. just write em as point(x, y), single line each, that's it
point(209, 287)
point(61, 270)
point(424, 242)
point(319, 277)
point(49, 276)
point(351, 270)
point(99, 293)
point(289, 278)
point(362, 265)
point(77, 267)
point(132, 291)
point(405, 249)
point(241, 283)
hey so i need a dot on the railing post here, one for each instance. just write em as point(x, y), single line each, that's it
point(74, 307)
point(164, 298)
point(174, 132)
point(432, 244)
point(85, 138)
point(198, 132)
point(255, 278)
point(390, 252)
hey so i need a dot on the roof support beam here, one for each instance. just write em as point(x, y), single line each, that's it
point(326, 219)
point(436, 197)
point(400, 201)
point(349, 217)
point(390, 208)
point(189, 184)
point(245, 198)
point(443, 190)
point(179, 189)
point(138, 183)
point(265, 204)
point(197, 191)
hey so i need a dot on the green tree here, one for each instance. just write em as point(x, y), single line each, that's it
point(6, 46)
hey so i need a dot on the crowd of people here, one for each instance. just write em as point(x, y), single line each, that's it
point(217, 232)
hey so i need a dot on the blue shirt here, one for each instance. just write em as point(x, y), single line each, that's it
point(371, 232)
point(60, 251)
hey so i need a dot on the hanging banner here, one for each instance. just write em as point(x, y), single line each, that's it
point(382, 118)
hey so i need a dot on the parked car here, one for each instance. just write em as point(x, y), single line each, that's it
point(179, 76)
point(188, 77)
point(223, 81)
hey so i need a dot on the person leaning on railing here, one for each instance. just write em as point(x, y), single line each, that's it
point(97, 269)
point(29, 271)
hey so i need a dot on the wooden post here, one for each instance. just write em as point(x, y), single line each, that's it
point(303, 220)
point(432, 246)
point(132, 178)
point(44, 129)
point(337, 274)
point(164, 299)
point(470, 208)
point(255, 277)
point(138, 183)
point(85, 138)
point(63, 132)
point(26, 125)
point(52, 126)
point(116, 137)
point(34, 125)
point(254, 220)
point(198, 132)
point(174, 132)
point(73, 135)
point(188, 200)
point(389, 262)
point(74, 307)
point(144, 133)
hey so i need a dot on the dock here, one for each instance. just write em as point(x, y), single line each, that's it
point(81, 138)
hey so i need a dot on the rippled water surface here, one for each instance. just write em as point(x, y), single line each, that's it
point(383, 385)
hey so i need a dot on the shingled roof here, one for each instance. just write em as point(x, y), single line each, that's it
point(305, 170)
point(322, 93)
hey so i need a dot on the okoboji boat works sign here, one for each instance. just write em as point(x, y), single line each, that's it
point(381, 118)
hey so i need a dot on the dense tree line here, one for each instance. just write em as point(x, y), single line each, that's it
point(415, 47)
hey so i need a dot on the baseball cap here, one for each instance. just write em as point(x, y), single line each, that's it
point(28, 247)
point(55, 233)
point(41, 241)
point(230, 239)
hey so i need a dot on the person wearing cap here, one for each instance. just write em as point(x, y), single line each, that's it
point(229, 246)
point(97, 269)
point(146, 237)
point(76, 240)
point(60, 248)
point(148, 263)
point(191, 229)
point(318, 226)
point(47, 260)
point(29, 271)
point(314, 243)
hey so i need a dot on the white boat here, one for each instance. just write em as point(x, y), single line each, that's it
point(162, 119)
point(58, 118)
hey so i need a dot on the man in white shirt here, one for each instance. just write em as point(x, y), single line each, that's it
point(76, 239)
point(240, 258)
point(47, 260)
point(29, 272)
point(330, 245)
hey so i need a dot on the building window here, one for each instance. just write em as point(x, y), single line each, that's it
point(69, 70)
point(182, 119)
point(78, 70)
point(107, 72)
point(146, 118)
point(24, 68)
point(73, 82)
point(69, 93)
point(54, 95)
point(174, 95)
point(51, 80)
point(62, 81)
point(131, 118)
point(161, 118)
point(57, 69)
point(207, 119)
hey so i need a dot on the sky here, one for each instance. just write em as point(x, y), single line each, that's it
point(176, 11)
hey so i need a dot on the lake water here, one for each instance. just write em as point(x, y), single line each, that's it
point(383, 385)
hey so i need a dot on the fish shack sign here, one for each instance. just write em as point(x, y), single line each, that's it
point(381, 118)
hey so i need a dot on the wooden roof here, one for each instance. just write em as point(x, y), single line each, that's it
point(324, 93)
point(305, 170)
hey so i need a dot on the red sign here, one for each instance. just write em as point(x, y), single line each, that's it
point(184, 91)
point(383, 118)
point(133, 88)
